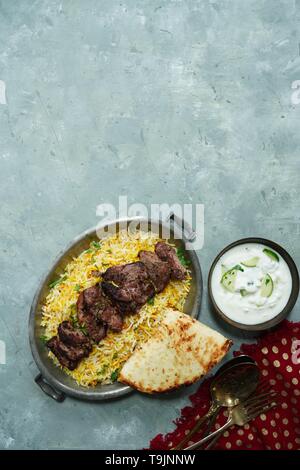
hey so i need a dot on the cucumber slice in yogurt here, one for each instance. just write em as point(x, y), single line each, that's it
point(267, 286)
point(271, 254)
point(251, 263)
point(244, 292)
point(224, 269)
point(229, 277)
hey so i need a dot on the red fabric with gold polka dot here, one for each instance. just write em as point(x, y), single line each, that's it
point(277, 354)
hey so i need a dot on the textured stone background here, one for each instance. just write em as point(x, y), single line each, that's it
point(163, 101)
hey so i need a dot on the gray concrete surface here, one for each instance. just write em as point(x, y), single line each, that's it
point(163, 101)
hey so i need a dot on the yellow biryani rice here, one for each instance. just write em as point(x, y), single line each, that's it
point(109, 355)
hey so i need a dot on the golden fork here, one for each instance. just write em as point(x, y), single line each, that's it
point(263, 387)
point(241, 415)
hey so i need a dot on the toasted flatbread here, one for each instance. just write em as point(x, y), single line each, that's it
point(181, 351)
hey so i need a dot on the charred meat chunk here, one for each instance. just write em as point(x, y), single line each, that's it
point(128, 285)
point(72, 336)
point(112, 318)
point(103, 309)
point(159, 271)
point(53, 345)
point(167, 253)
point(113, 292)
point(70, 345)
point(96, 312)
point(73, 353)
point(86, 315)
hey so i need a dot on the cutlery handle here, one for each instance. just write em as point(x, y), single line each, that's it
point(213, 442)
point(210, 436)
point(213, 409)
point(210, 425)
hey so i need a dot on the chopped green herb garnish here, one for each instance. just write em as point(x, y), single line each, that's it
point(83, 329)
point(115, 355)
point(73, 310)
point(89, 250)
point(77, 287)
point(95, 245)
point(182, 258)
point(76, 324)
point(103, 370)
point(151, 301)
point(74, 320)
point(115, 375)
point(58, 281)
point(44, 339)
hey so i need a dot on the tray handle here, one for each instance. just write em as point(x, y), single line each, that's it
point(49, 390)
point(187, 230)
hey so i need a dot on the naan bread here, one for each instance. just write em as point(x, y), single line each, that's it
point(180, 352)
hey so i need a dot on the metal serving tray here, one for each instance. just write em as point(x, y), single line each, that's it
point(53, 381)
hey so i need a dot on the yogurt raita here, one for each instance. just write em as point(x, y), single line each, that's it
point(251, 283)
